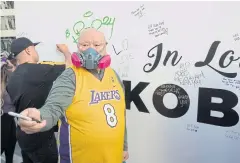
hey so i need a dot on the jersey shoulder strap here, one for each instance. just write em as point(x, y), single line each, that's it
point(51, 63)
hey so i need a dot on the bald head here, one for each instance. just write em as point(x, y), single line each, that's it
point(91, 33)
point(93, 38)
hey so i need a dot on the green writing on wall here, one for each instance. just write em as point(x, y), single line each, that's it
point(74, 32)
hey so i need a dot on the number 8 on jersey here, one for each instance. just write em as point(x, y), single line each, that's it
point(109, 112)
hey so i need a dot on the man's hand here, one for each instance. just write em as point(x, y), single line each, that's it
point(31, 127)
point(63, 49)
point(125, 155)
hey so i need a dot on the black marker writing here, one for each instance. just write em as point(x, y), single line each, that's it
point(157, 29)
point(234, 83)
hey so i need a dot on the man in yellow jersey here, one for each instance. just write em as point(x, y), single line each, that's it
point(88, 99)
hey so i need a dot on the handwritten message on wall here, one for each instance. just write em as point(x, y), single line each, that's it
point(157, 29)
point(192, 127)
point(236, 37)
point(234, 83)
point(84, 23)
point(139, 12)
point(184, 77)
point(124, 56)
point(233, 135)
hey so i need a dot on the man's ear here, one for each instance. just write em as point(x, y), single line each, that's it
point(28, 50)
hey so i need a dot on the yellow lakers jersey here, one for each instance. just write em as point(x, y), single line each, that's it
point(92, 130)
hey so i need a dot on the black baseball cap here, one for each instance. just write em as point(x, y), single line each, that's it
point(20, 44)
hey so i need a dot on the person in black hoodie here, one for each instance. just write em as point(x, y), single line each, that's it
point(29, 86)
point(8, 125)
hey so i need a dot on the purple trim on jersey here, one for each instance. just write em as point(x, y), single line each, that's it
point(64, 151)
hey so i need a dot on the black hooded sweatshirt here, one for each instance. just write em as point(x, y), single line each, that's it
point(29, 86)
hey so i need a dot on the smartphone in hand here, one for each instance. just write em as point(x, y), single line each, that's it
point(23, 117)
